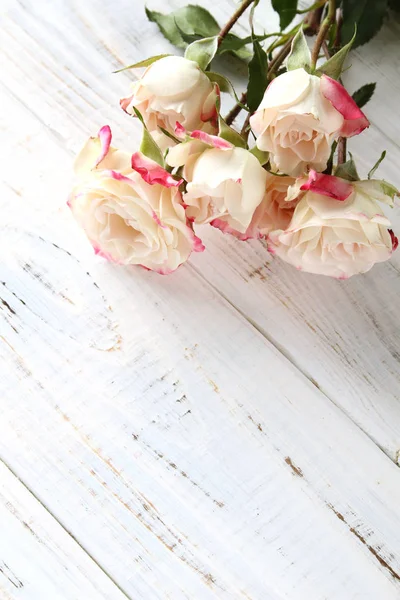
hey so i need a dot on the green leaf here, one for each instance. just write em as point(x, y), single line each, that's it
point(258, 77)
point(170, 135)
point(230, 135)
point(334, 66)
point(347, 170)
point(389, 189)
point(231, 43)
point(167, 26)
point(223, 83)
point(193, 19)
point(364, 94)
point(148, 146)
point(202, 51)
point(150, 149)
point(143, 63)
point(286, 9)
point(367, 15)
point(191, 23)
point(376, 165)
point(260, 155)
point(300, 55)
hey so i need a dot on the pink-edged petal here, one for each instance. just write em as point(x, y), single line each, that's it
point(209, 111)
point(118, 176)
point(104, 136)
point(151, 172)
point(327, 185)
point(180, 131)
point(354, 119)
point(198, 245)
point(395, 241)
point(226, 228)
point(106, 255)
point(211, 140)
point(125, 102)
point(157, 220)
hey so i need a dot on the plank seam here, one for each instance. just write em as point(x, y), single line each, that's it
point(69, 533)
point(286, 354)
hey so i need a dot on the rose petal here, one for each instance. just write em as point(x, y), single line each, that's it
point(226, 228)
point(125, 102)
point(104, 136)
point(151, 172)
point(180, 131)
point(212, 140)
point(354, 119)
point(210, 112)
point(198, 245)
point(327, 185)
point(395, 241)
point(118, 176)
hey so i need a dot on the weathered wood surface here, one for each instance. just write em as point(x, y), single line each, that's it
point(214, 434)
point(38, 558)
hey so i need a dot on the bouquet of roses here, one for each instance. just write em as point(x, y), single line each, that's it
point(284, 177)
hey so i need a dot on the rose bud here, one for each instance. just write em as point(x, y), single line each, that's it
point(174, 89)
point(299, 118)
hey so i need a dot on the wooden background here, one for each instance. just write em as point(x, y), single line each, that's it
point(229, 432)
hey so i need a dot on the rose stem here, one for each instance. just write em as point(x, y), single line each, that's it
point(313, 20)
point(326, 23)
point(280, 57)
point(339, 23)
point(233, 113)
point(341, 150)
point(326, 50)
point(246, 128)
point(236, 15)
point(342, 142)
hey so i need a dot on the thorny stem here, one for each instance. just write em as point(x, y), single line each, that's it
point(236, 15)
point(326, 23)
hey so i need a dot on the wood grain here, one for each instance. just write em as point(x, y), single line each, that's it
point(38, 558)
point(213, 434)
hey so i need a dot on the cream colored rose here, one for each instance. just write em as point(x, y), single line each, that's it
point(337, 229)
point(224, 183)
point(299, 118)
point(274, 212)
point(131, 215)
point(174, 90)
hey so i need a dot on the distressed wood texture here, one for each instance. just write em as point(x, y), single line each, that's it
point(38, 558)
point(231, 431)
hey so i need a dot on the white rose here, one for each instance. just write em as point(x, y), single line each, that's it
point(132, 216)
point(224, 182)
point(300, 116)
point(274, 212)
point(337, 228)
point(174, 90)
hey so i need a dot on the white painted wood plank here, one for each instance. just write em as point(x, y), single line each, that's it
point(182, 450)
point(38, 559)
point(179, 447)
point(344, 336)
